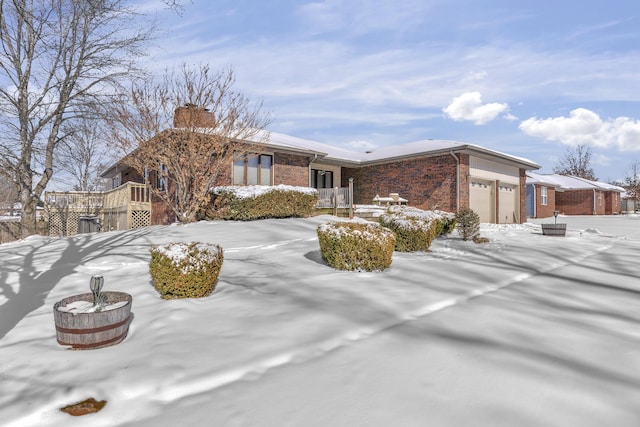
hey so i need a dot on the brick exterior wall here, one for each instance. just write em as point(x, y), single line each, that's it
point(612, 203)
point(523, 196)
point(545, 211)
point(193, 117)
point(600, 205)
point(427, 182)
point(290, 170)
point(464, 180)
point(161, 213)
point(580, 202)
point(225, 176)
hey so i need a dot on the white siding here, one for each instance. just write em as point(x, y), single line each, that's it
point(488, 169)
point(337, 178)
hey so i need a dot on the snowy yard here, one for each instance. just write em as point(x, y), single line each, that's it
point(527, 330)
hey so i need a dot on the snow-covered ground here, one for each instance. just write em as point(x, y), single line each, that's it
point(527, 330)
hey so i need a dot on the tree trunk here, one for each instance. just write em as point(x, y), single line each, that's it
point(28, 220)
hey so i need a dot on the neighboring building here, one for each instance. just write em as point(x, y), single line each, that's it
point(541, 196)
point(430, 174)
point(15, 210)
point(628, 205)
point(575, 196)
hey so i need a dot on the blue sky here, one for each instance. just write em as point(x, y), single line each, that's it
point(529, 78)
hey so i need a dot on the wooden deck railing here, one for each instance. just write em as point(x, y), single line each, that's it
point(75, 199)
point(127, 194)
point(123, 208)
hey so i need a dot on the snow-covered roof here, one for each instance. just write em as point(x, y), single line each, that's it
point(536, 178)
point(334, 153)
point(395, 152)
point(570, 182)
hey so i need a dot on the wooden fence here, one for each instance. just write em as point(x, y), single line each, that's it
point(10, 231)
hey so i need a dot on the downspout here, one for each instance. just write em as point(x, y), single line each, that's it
point(457, 180)
point(315, 156)
point(535, 199)
point(594, 201)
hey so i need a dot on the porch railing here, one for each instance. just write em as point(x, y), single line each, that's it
point(335, 198)
point(131, 193)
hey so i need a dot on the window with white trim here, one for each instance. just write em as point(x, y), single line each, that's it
point(544, 198)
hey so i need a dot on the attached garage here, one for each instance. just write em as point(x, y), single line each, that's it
point(507, 204)
point(482, 199)
point(494, 191)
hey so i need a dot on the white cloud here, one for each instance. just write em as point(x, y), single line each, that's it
point(586, 127)
point(469, 106)
point(602, 160)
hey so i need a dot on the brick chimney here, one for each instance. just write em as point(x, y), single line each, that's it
point(193, 116)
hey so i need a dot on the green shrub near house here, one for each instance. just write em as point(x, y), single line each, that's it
point(185, 270)
point(356, 245)
point(468, 224)
point(415, 228)
point(245, 203)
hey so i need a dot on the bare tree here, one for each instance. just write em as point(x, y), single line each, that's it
point(576, 162)
point(84, 154)
point(56, 56)
point(176, 5)
point(213, 130)
point(631, 182)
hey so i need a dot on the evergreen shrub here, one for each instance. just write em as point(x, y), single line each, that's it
point(185, 270)
point(246, 203)
point(468, 223)
point(415, 228)
point(356, 245)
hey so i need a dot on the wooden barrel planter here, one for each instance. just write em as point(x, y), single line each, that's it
point(554, 229)
point(85, 331)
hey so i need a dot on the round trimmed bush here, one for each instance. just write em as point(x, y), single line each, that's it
point(415, 228)
point(185, 270)
point(356, 245)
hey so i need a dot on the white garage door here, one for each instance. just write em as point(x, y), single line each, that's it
point(507, 212)
point(482, 200)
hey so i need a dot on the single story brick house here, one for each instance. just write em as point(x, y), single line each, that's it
point(541, 196)
point(571, 196)
point(430, 174)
